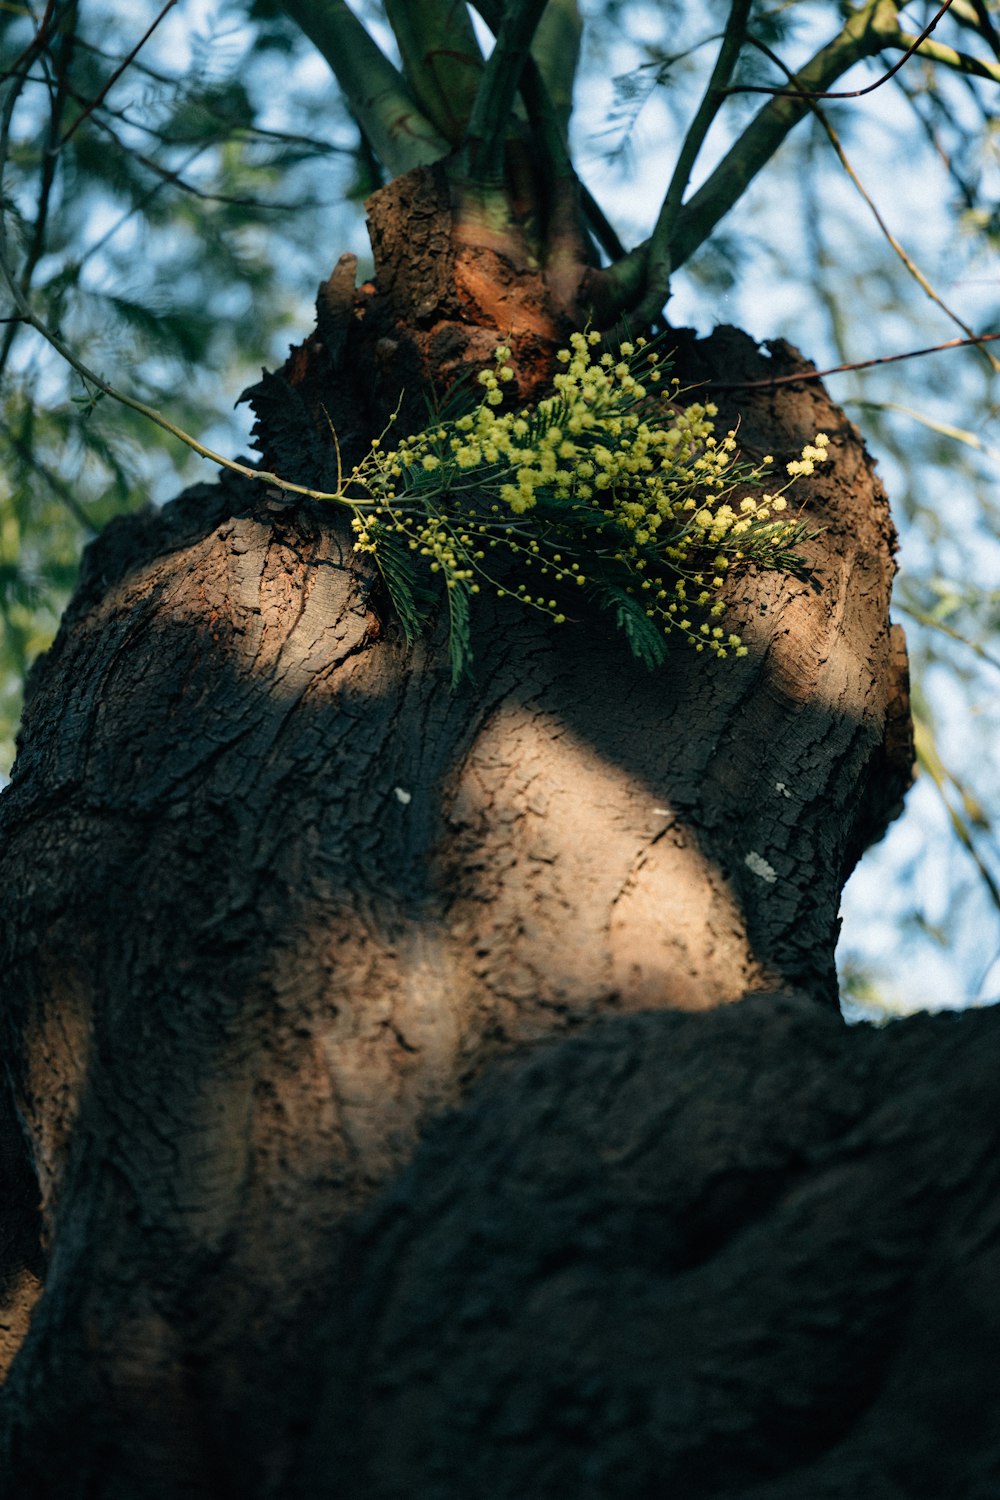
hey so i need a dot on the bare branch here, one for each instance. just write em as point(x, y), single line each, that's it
point(929, 759)
point(802, 377)
point(939, 625)
point(914, 44)
point(866, 32)
point(105, 388)
point(27, 455)
point(65, 41)
point(20, 65)
point(171, 177)
point(948, 57)
point(93, 103)
point(907, 260)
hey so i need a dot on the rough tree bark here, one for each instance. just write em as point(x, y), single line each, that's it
point(274, 897)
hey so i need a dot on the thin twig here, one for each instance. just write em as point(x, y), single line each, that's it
point(18, 77)
point(93, 104)
point(760, 88)
point(59, 488)
point(172, 177)
point(858, 38)
point(658, 262)
point(930, 761)
point(907, 260)
point(36, 248)
point(149, 412)
point(953, 635)
point(36, 44)
point(949, 57)
point(945, 429)
point(804, 376)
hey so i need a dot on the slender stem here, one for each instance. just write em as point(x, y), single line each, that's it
point(930, 761)
point(658, 262)
point(482, 152)
point(401, 136)
point(801, 377)
point(93, 103)
point(907, 260)
point(56, 483)
point(914, 44)
point(21, 64)
point(442, 60)
point(18, 77)
point(953, 635)
point(149, 412)
point(945, 429)
point(948, 57)
point(866, 32)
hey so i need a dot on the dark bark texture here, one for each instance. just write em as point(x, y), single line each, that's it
point(274, 898)
point(745, 1254)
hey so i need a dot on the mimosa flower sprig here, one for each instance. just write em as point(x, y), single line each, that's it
point(608, 490)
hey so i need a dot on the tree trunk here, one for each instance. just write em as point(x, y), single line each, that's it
point(274, 896)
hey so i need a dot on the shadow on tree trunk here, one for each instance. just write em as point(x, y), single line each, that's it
point(274, 897)
point(749, 1254)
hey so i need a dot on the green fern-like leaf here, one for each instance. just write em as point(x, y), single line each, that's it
point(409, 598)
point(646, 640)
point(459, 641)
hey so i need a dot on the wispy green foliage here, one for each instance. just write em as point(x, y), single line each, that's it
point(150, 237)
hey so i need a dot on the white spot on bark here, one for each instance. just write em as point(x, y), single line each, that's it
point(759, 865)
point(781, 789)
point(402, 795)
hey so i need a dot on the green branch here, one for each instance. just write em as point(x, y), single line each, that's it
point(551, 65)
point(948, 57)
point(975, 17)
point(868, 31)
point(401, 136)
point(658, 255)
point(907, 260)
point(547, 125)
point(482, 152)
point(556, 50)
point(441, 59)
